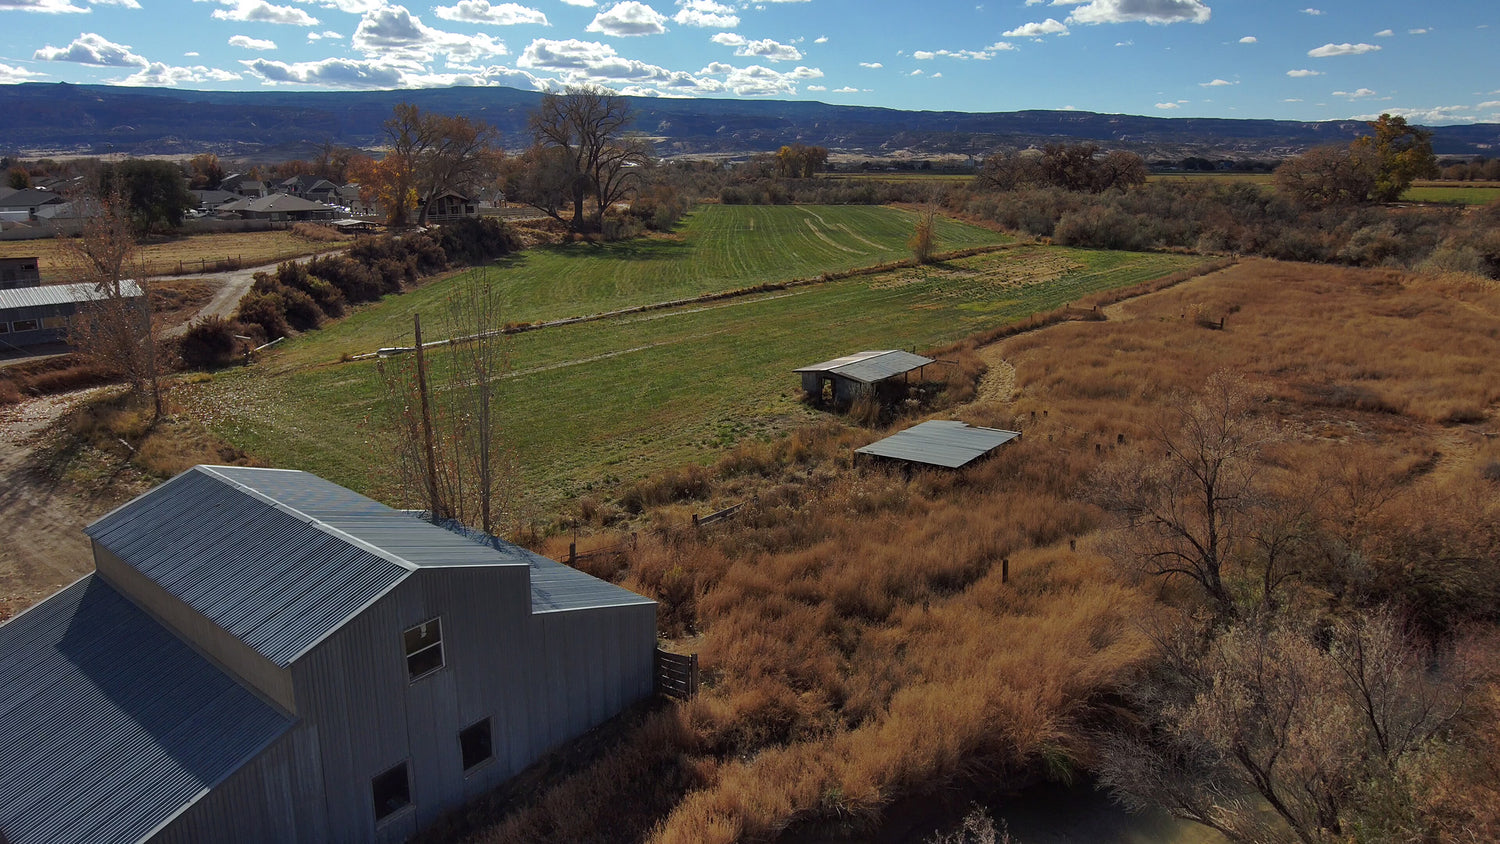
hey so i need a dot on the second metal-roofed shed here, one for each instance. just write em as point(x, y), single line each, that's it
point(940, 442)
point(857, 374)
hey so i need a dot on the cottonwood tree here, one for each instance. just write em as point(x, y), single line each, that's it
point(442, 419)
point(800, 161)
point(154, 192)
point(1073, 167)
point(582, 154)
point(115, 331)
point(1403, 154)
point(429, 154)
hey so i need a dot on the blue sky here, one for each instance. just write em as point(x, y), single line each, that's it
point(1435, 62)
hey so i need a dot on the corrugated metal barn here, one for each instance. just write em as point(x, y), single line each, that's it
point(261, 655)
point(31, 316)
point(858, 374)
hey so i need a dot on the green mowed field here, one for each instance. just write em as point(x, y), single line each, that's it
point(717, 248)
point(1453, 193)
point(590, 405)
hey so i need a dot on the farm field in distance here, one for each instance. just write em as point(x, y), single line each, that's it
point(591, 404)
point(715, 249)
point(190, 253)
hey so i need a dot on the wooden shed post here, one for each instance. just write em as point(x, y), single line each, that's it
point(1005, 570)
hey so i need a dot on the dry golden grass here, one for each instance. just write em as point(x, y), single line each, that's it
point(858, 643)
point(186, 254)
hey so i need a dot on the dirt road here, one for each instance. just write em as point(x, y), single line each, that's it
point(233, 286)
point(42, 546)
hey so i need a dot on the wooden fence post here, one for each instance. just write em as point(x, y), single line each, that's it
point(1005, 570)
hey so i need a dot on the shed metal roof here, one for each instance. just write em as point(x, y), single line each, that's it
point(112, 724)
point(280, 559)
point(60, 294)
point(940, 442)
point(869, 367)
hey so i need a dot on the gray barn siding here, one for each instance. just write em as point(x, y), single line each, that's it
point(542, 678)
point(274, 798)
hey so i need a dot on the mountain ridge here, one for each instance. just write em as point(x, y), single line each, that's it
point(100, 119)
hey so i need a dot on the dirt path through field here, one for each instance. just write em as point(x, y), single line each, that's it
point(42, 546)
point(233, 285)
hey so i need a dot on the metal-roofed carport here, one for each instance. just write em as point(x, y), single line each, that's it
point(940, 442)
point(857, 374)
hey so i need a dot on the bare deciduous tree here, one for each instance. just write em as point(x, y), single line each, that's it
point(1189, 504)
point(455, 470)
point(115, 330)
point(587, 155)
point(1317, 725)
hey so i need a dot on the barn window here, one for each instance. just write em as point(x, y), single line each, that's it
point(424, 648)
point(4, 328)
point(25, 325)
point(392, 792)
point(475, 743)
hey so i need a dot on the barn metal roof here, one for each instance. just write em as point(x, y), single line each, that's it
point(280, 559)
point(554, 586)
point(59, 294)
point(940, 442)
point(869, 367)
point(112, 724)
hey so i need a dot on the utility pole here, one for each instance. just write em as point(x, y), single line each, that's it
point(432, 484)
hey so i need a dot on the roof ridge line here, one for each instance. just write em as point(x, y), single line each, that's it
point(315, 522)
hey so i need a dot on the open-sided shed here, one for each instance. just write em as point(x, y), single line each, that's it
point(854, 375)
point(940, 442)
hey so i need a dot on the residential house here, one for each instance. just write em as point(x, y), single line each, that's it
point(278, 207)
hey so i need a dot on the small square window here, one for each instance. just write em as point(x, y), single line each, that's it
point(392, 792)
point(424, 648)
point(4, 328)
point(475, 743)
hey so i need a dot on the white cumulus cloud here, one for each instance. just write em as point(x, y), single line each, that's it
point(248, 43)
point(1167, 105)
point(1249, 39)
point(11, 75)
point(1217, 83)
point(1357, 94)
point(333, 73)
point(499, 14)
point(1327, 50)
point(706, 13)
point(92, 49)
point(872, 65)
point(1298, 74)
point(259, 11)
point(1141, 11)
point(159, 75)
point(1385, 33)
point(394, 33)
point(769, 50)
point(46, 7)
point(1049, 26)
point(631, 17)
